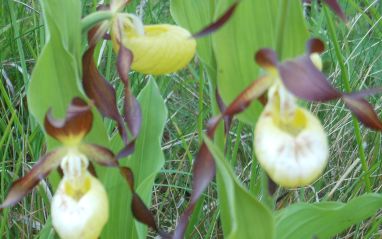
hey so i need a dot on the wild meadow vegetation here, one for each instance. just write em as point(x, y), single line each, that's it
point(180, 104)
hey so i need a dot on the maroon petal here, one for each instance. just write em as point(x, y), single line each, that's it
point(315, 45)
point(138, 207)
point(333, 4)
point(218, 23)
point(99, 154)
point(363, 111)
point(365, 93)
point(266, 58)
point(202, 174)
point(40, 170)
point(74, 127)
point(99, 89)
point(304, 80)
point(124, 61)
point(133, 113)
point(127, 150)
point(252, 92)
point(222, 108)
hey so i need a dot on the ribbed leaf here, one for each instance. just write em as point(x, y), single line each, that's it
point(244, 216)
point(326, 219)
point(195, 15)
point(56, 76)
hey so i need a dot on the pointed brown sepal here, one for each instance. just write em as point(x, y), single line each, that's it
point(266, 58)
point(249, 94)
point(40, 170)
point(303, 79)
point(363, 111)
point(202, 174)
point(222, 108)
point(133, 114)
point(315, 45)
point(336, 8)
point(127, 150)
point(364, 93)
point(142, 213)
point(138, 207)
point(128, 175)
point(99, 154)
point(124, 61)
point(74, 127)
point(99, 89)
point(216, 25)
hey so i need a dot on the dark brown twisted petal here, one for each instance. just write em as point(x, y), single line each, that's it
point(99, 89)
point(138, 207)
point(252, 92)
point(315, 45)
point(216, 25)
point(99, 154)
point(365, 93)
point(336, 8)
point(363, 111)
point(133, 113)
point(204, 165)
point(222, 108)
point(301, 77)
point(74, 127)
point(266, 58)
point(40, 170)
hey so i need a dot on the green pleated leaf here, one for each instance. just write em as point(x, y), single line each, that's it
point(243, 216)
point(56, 77)
point(292, 30)
point(145, 163)
point(326, 219)
point(194, 16)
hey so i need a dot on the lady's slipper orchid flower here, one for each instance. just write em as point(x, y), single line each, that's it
point(290, 143)
point(157, 49)
point(80, 205)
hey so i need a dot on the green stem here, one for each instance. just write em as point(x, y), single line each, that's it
point(92, 19)
point(237, 143)
point(346, 82)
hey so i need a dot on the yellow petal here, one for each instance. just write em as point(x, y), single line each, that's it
point(293, 153)
point(80, 213)
point(162, 49)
